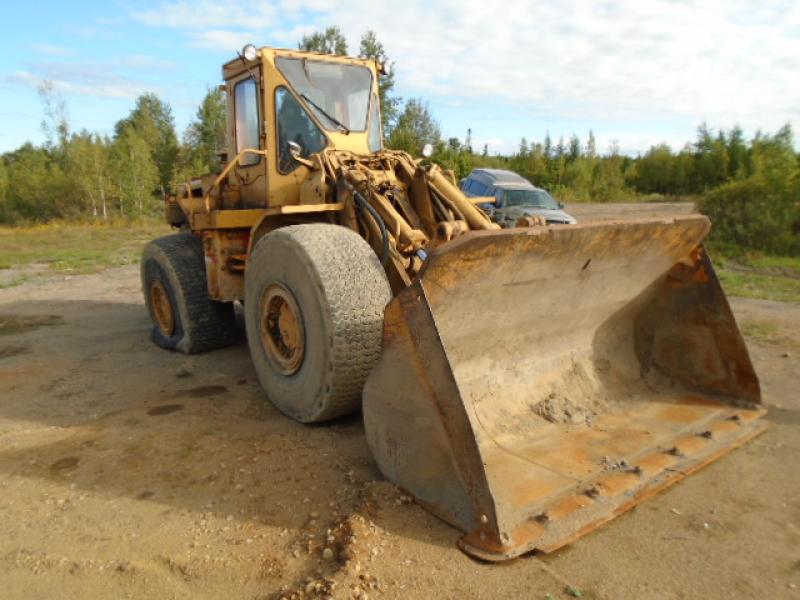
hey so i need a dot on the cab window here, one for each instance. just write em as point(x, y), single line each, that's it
point(247, 120)
point(338, 94)
point(375, 138)
point(294, 125)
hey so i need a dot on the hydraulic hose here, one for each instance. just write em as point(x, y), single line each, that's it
point(362, 204)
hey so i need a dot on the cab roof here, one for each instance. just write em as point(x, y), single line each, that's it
point(237, 65)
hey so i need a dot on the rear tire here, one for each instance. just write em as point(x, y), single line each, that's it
point(314, 301)
point(184, 317)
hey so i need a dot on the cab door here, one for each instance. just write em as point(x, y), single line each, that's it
point(292, 123)
point(248, 132)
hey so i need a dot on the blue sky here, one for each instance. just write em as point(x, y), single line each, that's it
point(637, 73)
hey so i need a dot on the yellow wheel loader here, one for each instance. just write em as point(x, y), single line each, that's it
point(525, 385)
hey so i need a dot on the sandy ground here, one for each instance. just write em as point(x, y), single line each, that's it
point(131, 472)
point(609, 211)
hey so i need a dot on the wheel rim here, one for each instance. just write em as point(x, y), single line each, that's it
point(281, 329)
point(162, 308)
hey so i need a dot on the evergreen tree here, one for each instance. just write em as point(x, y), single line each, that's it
point(330, 41)
point(559, 163)
point(574, 148)
point(711, 160)
point(591, 145)
point(547, 148)
point(737, 154)
point(371, 48)
point(415, 127)
point(453, 156)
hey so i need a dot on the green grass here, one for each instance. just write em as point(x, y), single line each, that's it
point(87, 248)
point(778, 263)
point(73, 248)
point(761, 277)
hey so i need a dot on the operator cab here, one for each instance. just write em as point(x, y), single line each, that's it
point(289, 105)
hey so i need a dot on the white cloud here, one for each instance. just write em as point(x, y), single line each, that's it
point(623, 61)
point(98, 31)
point(208, 14)
point(121, 77)
point(52, 50)
point(620, 60)
point(104, 87)
point(225, 39)
point(139, 61)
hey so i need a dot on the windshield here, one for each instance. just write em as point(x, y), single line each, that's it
point(530, 198)
point(338, 94)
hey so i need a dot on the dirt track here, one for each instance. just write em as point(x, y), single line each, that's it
point(635, 210)
point(130, 472)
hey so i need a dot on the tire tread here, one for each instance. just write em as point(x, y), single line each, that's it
point(207, 324)
point(352, 284)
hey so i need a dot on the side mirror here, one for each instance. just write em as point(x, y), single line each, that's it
point(560, 205)
point(295, 149)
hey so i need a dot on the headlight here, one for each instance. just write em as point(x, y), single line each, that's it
point(250, 52)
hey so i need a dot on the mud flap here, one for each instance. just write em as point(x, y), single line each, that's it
point(535, 383)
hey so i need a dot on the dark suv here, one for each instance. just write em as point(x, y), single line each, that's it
point(514, 196)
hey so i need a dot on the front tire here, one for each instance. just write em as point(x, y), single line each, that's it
point(314, 301)
point(184, 316)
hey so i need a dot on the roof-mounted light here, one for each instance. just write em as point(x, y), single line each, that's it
point(250, 52)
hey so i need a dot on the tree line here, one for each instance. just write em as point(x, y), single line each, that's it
point(750, 187)
point(86, 175)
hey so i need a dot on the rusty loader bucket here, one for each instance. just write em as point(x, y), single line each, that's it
point(535, 383)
